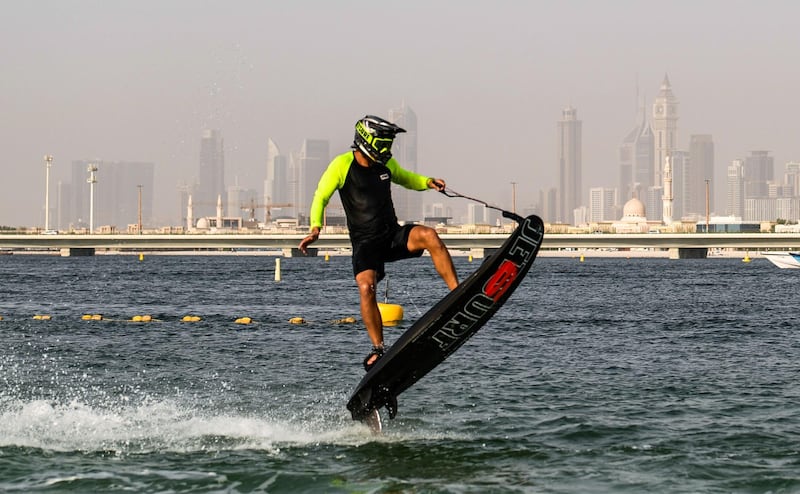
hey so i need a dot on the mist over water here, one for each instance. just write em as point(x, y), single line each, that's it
point(488, 82)
point(609, 375)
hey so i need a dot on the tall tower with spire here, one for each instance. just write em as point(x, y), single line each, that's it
point(665, 128)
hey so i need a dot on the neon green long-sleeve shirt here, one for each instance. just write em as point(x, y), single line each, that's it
point(365, 192)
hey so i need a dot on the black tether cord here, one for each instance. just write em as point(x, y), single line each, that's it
point(507, 214)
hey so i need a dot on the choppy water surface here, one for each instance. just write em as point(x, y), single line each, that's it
point(609, 375)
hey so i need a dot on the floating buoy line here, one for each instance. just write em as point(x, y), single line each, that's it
point(391, 314)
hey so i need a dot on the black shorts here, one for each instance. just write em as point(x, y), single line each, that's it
point(374, 253)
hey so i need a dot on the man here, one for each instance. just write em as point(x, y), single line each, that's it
point(363, 178)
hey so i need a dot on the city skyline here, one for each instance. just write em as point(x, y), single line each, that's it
point(139, 82)
point(297, 180)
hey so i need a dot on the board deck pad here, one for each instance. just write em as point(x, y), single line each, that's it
point(449, 323)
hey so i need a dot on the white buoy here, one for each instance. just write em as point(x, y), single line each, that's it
point(277, 269)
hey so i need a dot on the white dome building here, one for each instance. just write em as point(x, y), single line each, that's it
point(634, 218)
point(633, 209)
point(202, 224)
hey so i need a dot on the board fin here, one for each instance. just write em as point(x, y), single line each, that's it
point(373, 421)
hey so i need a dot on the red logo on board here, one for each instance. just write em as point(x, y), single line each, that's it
point(501, 280)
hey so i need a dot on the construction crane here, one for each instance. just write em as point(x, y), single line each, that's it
point(268, 207)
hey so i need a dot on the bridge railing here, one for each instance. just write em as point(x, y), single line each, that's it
point(753, 241)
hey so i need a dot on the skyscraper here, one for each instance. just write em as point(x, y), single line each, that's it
point(791, 177)
point(680, 162)
point(665, 129)
point(476, 214)
point(636, 160)
point(548, 204)
point(701, 155)
point(759, 170)
point(276, 185)
point(211, 174)
point(602, 204)
point(569, 164)
point(309, 164)
point(654, 201)
point(407, 207)
point(735, 189)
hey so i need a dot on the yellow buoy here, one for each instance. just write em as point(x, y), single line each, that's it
point(243, 320)
point(141, 256)
point(191, 318)
point(92, 317)
point(344, 320)
point(391, 314)
point(297, 320)
point(327, 257)
point(144, 318)
point(581, 258)
point(42, 317)
point(470, 258)
point(86, 317)
point(746, 257)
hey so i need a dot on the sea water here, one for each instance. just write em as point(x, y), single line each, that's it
point(608, 375)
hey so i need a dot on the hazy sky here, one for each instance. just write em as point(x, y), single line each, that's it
point(139, 80)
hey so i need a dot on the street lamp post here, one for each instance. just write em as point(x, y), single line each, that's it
point(514, 197)
point(707, 206)
point(92, 169)
point(48, 160)
point(140, 209)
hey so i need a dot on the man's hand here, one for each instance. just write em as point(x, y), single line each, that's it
point(310, 239)
point(436, 183)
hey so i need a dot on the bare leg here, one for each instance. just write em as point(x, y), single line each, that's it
point(366, 281)
point(423, 237)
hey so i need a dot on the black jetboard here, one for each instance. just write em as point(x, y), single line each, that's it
point(449, 323)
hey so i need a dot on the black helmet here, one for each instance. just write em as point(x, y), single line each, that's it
point(374, 138)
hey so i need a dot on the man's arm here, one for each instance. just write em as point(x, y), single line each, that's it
point(407, 178)
point(310, 239)
point(411, 180)
point(331, 180)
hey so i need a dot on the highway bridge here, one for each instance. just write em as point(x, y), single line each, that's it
point(687, 242)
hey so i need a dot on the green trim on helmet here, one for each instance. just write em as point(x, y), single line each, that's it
point(374, 137)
